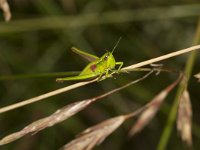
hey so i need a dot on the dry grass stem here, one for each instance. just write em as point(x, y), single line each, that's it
point(157, 59)
point(44, 96)
point(6, 10)
point(198, 77)
point(59, 91)
point(151, 108)
point(94, 135)
point(184, 123)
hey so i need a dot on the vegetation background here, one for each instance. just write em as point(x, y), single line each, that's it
point(37, 42)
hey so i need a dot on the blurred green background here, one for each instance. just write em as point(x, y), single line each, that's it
point(37, 42)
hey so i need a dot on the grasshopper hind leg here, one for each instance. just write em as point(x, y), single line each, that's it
point(76, 78)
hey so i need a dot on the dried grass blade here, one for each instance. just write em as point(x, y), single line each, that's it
point(151, 108)
point(6, 9)
point(94, 135)
point(57, 117)
point(184, 123)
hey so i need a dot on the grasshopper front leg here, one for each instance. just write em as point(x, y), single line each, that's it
point(119, 68)
point(120, 65)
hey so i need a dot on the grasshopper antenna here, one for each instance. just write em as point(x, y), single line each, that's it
point(116, 44)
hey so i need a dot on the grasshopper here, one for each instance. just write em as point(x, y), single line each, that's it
point(100, 68)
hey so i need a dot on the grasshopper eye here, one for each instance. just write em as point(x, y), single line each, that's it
point(106, 57)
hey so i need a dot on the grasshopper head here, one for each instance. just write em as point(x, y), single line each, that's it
point(109, 59)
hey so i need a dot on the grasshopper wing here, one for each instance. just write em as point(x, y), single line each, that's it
point(85, 55)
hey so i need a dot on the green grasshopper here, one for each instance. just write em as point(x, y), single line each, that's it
point(98, 67)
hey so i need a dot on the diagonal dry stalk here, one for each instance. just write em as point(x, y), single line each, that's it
point(157, 59)
point(43, 96)
point(125, 69)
